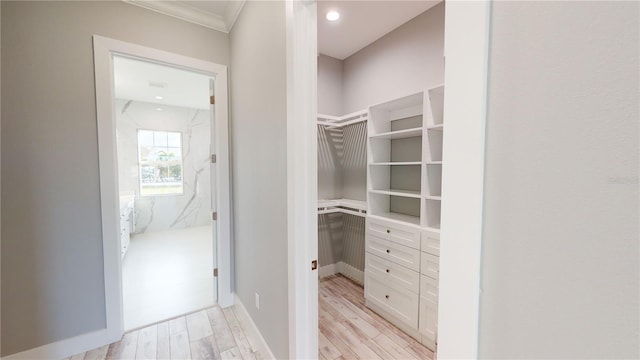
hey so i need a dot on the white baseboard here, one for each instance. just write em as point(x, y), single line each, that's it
point(327, 270)
point(351, 272)
point(66, 348)
point(254, 336)
point(344, 269)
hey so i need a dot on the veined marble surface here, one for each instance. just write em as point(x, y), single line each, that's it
point(156, 213)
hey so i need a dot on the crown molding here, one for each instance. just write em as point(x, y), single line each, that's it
point(194, 15)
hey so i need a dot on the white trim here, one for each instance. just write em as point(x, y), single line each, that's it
point(327, 270)
point(467, 47)
point(254, 336)
point(189, 13)
point(104, 48)
point(64, 348)
point(232, 13)
point(343, 268)
point(302, 169)
point(351, 272)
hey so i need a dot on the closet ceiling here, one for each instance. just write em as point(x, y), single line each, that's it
point(361, 22)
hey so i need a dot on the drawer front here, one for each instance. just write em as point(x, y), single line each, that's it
point(404, 235)
point(392, 274)
point(430, 242)
point(393, 252)
point(428, 323)
point(429, 265)
point(429, 288)
point(401, 303)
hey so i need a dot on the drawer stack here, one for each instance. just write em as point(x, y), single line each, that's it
point(401, 277)
point(392, 271)
point(429, 270)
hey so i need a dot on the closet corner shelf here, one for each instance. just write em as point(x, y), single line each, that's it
point(431, 197)
point(396, 192)
point(399, 134)
point(439, 162)
point(396, 163)
point(398, 218)
point(346, 206)
point(435, 127)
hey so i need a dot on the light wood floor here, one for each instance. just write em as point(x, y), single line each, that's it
point(214, 333)
point(349, 330)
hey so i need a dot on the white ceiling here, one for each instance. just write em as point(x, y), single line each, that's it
point(361, 23)
point(143, 81)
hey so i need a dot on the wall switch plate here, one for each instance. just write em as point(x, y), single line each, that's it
point(257, 301)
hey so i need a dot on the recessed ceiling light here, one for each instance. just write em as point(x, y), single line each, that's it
point(159, 97)
point(159, 109)
point(333, 15)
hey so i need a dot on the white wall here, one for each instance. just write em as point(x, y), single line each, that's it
point(52, 266)
point(258, 137)
point(164, 212)
point(405, 61)
point(560, 269)
point(330, 97)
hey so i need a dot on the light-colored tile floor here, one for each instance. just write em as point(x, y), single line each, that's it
point(167, 274)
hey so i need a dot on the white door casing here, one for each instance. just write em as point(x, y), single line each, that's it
point(104, 50)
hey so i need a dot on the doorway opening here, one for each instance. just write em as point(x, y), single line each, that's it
point(162, 175)
point(163, 135)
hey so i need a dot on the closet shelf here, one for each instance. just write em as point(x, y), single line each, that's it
point(396, 163)
point(435, 127)
point(401, 218)
point(340, 121)
point(396, 192)
point(431, 197)
point(346, 206)
point(434, 162)
point(399, 134)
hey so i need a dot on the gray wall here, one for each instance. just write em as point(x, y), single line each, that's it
point(330, 154)
point(330, 95)
point(560, 244)
point(405, 61)
point(52, 272)
point(258, 138)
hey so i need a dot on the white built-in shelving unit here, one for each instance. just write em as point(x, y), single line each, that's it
point(404, 196)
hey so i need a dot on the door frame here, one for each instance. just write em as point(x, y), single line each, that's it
point(467, 33)
point(104, 49)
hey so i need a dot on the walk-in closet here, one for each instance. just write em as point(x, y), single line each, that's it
point(380, 143)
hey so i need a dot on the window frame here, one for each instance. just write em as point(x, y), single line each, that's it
point(139, 160)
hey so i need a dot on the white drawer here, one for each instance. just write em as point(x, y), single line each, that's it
point(401, 234)
point(429, 265)
point(428, 322)
point(393, 252)
point(429, 288)
point(401, 303)
point(393, 274)
point(430, 242)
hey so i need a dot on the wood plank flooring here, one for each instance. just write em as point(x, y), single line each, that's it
point(350, 330)
point(213, 333)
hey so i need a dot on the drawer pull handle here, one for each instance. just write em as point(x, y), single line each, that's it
point(387, 296)
point(388, 231)
point(387, 270)
point(388, 251)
